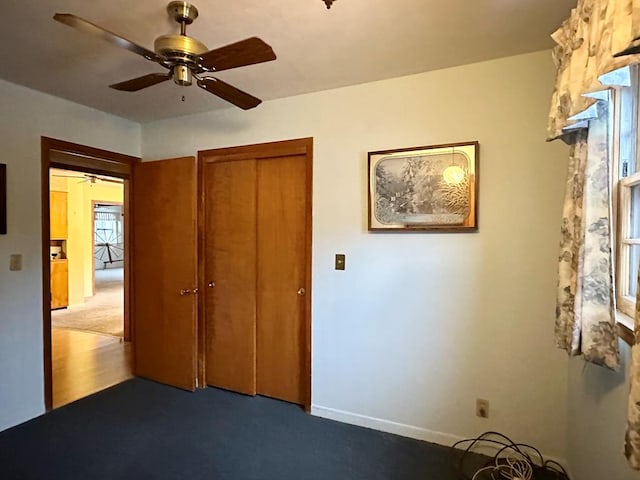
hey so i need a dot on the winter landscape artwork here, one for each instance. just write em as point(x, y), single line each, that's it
point(424, 188)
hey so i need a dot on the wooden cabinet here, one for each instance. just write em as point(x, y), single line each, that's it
point(58, 215)
point(59, 284)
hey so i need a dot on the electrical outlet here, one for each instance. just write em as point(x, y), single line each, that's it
point(482, 408)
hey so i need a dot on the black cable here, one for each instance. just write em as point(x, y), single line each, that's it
point(505, 443)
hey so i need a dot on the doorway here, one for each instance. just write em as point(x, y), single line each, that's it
point(86, 275)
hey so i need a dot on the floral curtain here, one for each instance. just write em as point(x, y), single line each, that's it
point(593, 47)
point(588, 45)
point(632, 439)
point(585, 311)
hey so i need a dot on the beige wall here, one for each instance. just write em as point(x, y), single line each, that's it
point(57, 184)
point(420, 325)
point(80, 241)
point(26, 116)
point(597, 420)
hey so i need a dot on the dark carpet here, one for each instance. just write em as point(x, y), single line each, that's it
point(143, 430)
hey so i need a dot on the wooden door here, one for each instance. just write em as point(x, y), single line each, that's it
point(281, 275)
point(230, 273)
point(165, 271)
point(257, 244)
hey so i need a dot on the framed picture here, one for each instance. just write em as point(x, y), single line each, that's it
point(425, 188)
point(3, 199)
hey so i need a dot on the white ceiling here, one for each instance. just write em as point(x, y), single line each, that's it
point(356, 41)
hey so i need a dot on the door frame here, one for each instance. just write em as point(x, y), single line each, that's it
point(259, 151)
point(82, 158)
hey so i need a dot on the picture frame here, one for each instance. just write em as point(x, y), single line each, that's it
point(425, 189)
point(3, 199)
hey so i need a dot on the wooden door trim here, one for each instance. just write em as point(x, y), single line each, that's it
point(87, 159)
point(201, 381)
point(259, 151)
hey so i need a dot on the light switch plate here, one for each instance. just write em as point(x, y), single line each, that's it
point(340, 261)
point(15, 262)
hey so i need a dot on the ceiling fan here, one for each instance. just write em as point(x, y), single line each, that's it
point(87, 177)
point(184, 57)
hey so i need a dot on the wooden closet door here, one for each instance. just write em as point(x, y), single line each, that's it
point(230, 271)
point(281, 276)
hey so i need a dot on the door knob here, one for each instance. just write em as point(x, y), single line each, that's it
point(185, 291)
point(301, 292)
point(211, 284)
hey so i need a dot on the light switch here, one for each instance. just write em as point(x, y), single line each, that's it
point(15, 262)
point(340, 261)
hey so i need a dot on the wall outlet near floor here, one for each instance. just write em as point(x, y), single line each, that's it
point(482, 408)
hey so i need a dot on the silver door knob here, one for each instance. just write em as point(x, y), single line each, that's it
point(301, 292)
point(211, 284)
point(185, 291)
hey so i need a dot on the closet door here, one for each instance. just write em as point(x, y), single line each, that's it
point(230, 274)
point(281, 240)
point(257, 244)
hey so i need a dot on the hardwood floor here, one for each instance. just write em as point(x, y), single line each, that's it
point(85, 363)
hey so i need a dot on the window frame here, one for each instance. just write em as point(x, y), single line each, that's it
point(621, 198)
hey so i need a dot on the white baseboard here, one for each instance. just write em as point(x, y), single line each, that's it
point(385, 425)
point(410, 431)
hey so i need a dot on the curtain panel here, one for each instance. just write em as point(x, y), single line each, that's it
point(632, 437)
point(585, 311)
point(594, 48)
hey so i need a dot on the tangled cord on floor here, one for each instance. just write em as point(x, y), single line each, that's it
point(513, 461)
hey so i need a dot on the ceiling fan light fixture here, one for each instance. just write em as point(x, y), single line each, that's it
point(182, 75)
point(328, 3)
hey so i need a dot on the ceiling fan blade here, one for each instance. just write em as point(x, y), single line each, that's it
point(229, 93)
point(139, 83)
point(245, 52)
point(88, 27)
point(110, 180)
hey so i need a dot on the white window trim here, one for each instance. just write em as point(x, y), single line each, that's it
point(625, 305)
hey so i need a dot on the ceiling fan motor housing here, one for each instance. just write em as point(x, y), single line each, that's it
point(182, 54)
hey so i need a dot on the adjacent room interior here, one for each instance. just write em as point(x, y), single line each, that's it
point(89, 348)
point(318, 239)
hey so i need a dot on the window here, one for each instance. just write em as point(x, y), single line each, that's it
point(626, 190)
